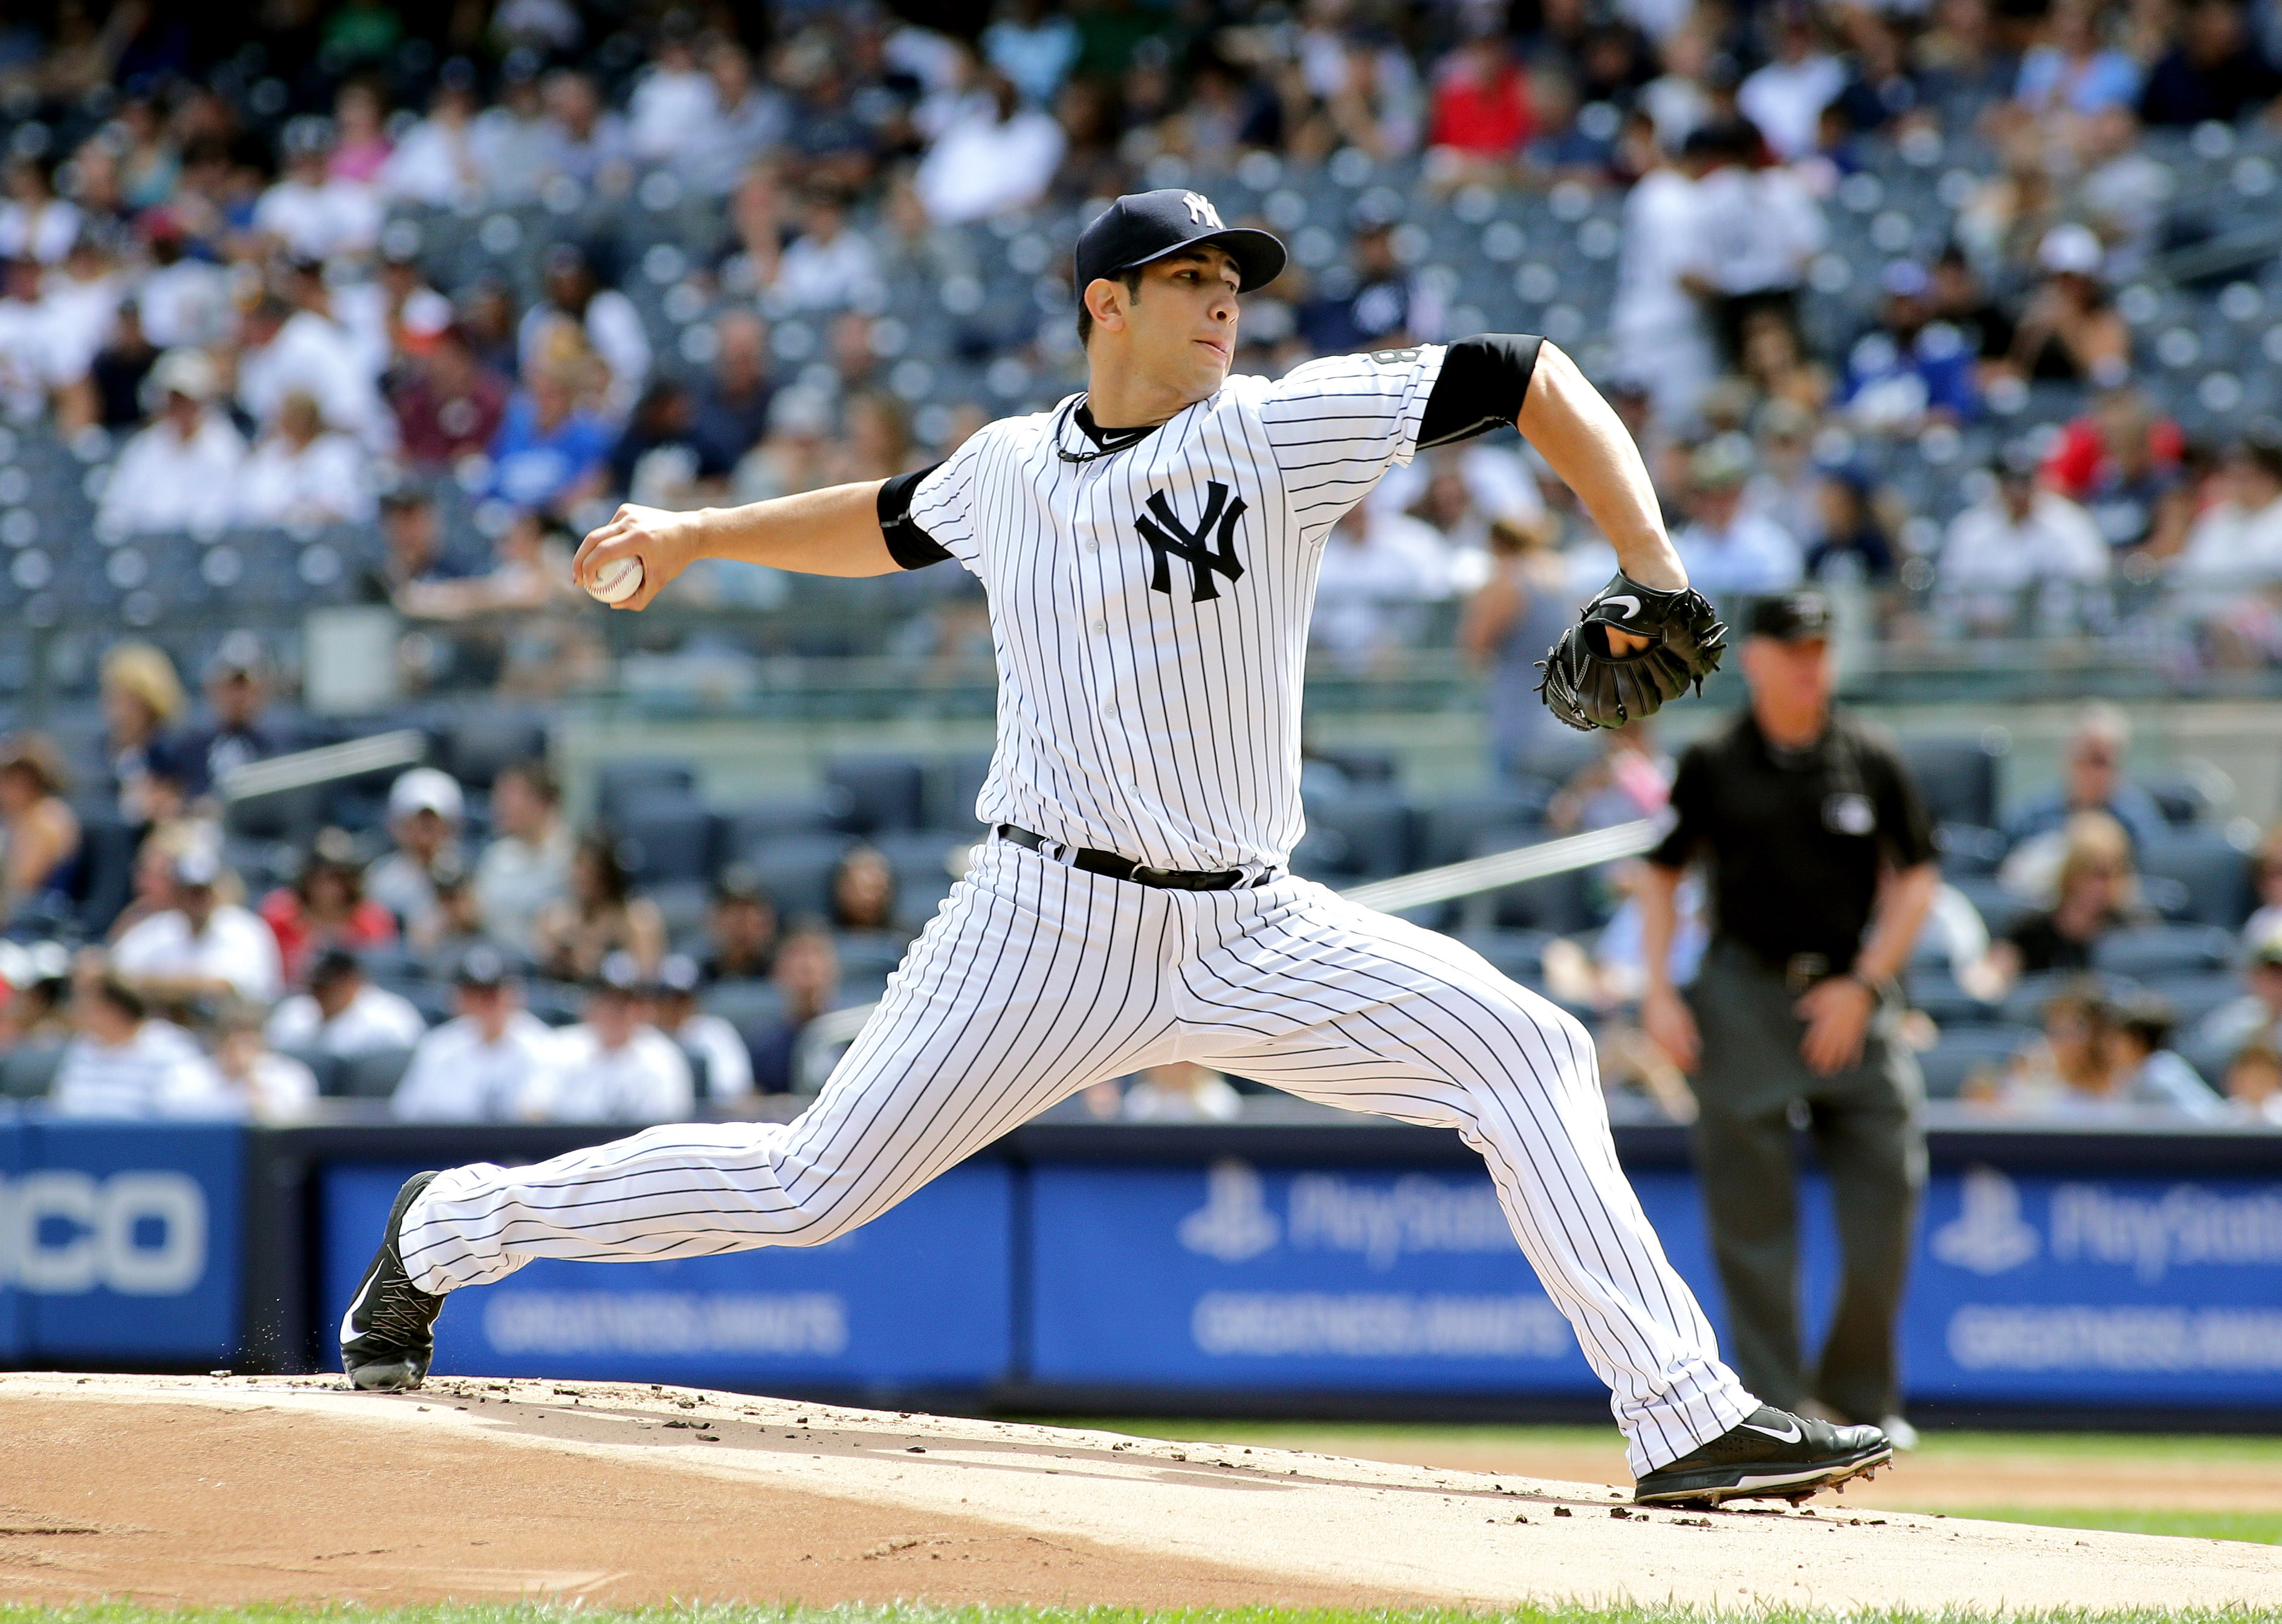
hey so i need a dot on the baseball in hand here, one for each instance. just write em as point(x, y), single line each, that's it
point(617, 581)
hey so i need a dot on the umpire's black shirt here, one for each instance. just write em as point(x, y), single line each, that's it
point(1795, 839)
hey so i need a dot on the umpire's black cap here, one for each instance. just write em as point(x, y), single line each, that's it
point(1143, 225)
point(1792, 617)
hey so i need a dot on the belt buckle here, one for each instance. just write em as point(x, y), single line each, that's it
point(1804, 970)
point(1142, 874)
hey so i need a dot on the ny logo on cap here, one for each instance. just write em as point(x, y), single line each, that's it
point(1208, 549)
point(1202, 210)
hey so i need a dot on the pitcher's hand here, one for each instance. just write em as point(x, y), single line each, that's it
point(667, 544)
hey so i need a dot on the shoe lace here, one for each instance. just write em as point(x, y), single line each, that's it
point(401, 1315)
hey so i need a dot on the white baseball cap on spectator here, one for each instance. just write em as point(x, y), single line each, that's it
point(425, 789)
point(2071, 250)
point(185, 372)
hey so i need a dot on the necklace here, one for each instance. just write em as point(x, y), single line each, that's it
point(1107, 442)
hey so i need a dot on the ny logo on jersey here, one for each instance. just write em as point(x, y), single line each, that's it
point(1202, 210)
point(1168, 536)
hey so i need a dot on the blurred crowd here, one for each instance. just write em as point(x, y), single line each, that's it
point(1960, 308)
point(222, 253)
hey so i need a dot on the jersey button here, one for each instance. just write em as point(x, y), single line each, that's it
point(1093, 546)
point(1099, 627)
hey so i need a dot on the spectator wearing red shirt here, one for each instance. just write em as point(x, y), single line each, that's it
point(325, 908)
point(1481, 109)
point(448, 405)
point(2123, 463)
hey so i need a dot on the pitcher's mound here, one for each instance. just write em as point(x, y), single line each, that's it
point(183, 1490)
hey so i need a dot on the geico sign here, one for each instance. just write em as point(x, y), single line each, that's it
point(63, 1232)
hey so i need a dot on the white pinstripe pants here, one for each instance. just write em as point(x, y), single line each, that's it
point(1036, 979)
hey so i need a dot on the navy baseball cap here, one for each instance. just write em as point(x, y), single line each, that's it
point(1141, 227)
point(1792, 617)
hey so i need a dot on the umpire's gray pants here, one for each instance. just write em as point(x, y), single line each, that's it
point(1870, 1140)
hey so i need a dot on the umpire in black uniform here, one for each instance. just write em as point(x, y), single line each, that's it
point(1819, 867)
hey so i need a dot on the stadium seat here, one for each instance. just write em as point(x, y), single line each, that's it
point(28, 1072)
point(2213, 868)
point(884, 791)
point(558, 1004)
point(1967, 849)
point(797, 870)
point(921, 861)
point(2183, 800)
point(1374, 829)
point(1935, 991)
point(374, 1076)
point(617, 783)
point(1957, 778)
point(1447, 830)
point(2193, 994)
point(1959, 1055)
point(2164, 950)
point(477, 745)
point(661, 841)
point(750, 823)
point(1560, 903)
point(954, 782)
point(1518, 954)
point(868, 956)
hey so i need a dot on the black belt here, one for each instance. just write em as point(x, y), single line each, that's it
point(1112, 866)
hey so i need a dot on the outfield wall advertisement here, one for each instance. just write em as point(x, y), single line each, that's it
point(2035, 1283)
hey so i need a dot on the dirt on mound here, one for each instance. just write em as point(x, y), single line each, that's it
point(181, 1490)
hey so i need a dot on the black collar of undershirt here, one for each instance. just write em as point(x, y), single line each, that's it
point(1107, 442)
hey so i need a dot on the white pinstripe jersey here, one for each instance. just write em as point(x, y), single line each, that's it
point(1149, 606)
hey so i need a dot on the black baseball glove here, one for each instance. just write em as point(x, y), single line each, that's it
point(1587, 685)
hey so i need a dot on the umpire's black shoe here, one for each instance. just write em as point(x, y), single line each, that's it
point(388, 1335)
point(1772, 1455)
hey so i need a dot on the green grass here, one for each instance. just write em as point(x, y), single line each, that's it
point(903, 1613)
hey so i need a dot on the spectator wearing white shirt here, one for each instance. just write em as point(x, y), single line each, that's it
point(181, 473)
point(1756, 230)
point(2016, 538)
point(1786, 97)
point(514, 140)
point(1727, 551)
point(2233, 549)
point(728, 1066)
point(425, 809)
point(79, 301)
point(437, 162)
point(614, 1066)
point(311, 213)
point(990, 160)
point(184, 301)
point(587, 142)
point(528, 867)
point(1035, 45)
point(305, 345)
point(743, 120)
point(301, 474)
point(32, 367)
point(1378, 570)
point(671, 100)
point(482, 1064)
point(200, 946)
point(272, 1087)
point(604, 321)
point(343, 1014)
point(34, 223)
point(830, 264)
point(124, 1065)
point(1662, 342)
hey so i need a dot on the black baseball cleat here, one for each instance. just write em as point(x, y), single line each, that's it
point(388, 1335)
point(1775, 1455)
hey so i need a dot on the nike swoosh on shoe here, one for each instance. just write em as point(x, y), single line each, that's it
point(1792, 1436)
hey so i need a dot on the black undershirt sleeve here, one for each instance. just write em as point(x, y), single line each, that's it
point(908, 544)
point(1479, 388)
